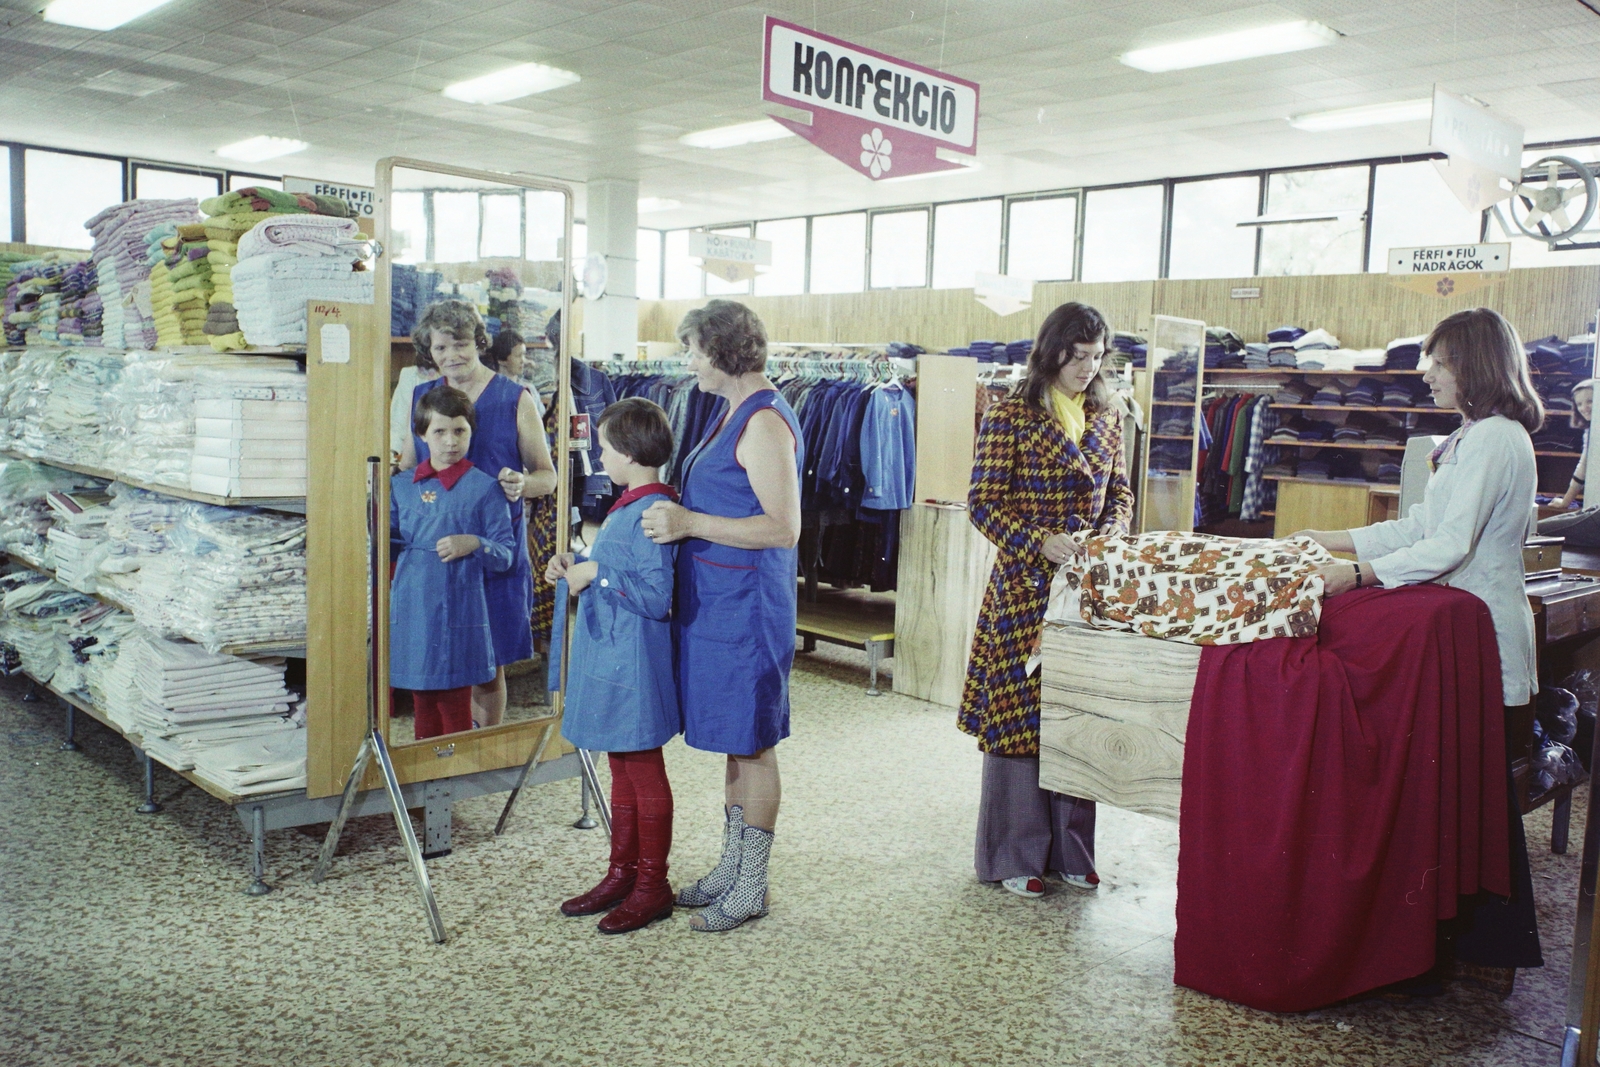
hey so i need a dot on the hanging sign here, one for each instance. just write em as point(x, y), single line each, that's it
point(1448, 270)
point(733, 259)
point(1001, 293)
point(882, 116)
point(359, 197)
point(1475, 135)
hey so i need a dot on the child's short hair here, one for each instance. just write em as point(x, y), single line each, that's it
point(454, 317)
point(638, 428)
point(443, 400)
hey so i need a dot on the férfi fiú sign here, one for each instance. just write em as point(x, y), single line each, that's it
point(359, 197)
point(1450, 259)
point(882, 116)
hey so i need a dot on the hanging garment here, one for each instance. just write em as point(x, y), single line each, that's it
point(1189, 587)
point(889, 449)
point(1340, 793)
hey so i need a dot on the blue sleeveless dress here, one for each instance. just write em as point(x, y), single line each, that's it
point(734, 614)
point(494, 446)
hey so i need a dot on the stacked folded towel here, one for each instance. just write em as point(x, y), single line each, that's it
point(120, 235)
point(181, 286)
point(34, 296)
point(285, 262)
point(250, 433)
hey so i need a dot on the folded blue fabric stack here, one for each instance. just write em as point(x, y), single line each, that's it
point(1330, 395)
point(1365, 393)
point(904, 350)
point(1389, 472)
point(1400, 393)
point(1224, 348)
point(1286, 333)
point(983, 351)
point(1017, 351)
point(1402, 354)
point(412, 290)
point(1257, 356)
point(964, 353)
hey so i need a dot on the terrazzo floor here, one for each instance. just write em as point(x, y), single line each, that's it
point(126, 940)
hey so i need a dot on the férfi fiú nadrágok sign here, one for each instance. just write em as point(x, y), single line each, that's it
point(882, 116)
point(1449, 270)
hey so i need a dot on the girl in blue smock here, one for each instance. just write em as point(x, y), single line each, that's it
point(510, 446)
point(620, 695)
point(450, 528)
point(735, 614)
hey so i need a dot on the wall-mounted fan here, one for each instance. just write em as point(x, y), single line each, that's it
point(1554, 200)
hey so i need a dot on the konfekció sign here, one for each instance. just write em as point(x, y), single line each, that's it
point(882, 116)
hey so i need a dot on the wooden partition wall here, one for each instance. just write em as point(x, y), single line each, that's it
point(1363, 310)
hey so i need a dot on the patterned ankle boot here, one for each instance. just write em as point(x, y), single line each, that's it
point(747, 898)
point(722, 876)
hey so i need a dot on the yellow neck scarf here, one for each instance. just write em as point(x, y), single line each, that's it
point(1069, 412)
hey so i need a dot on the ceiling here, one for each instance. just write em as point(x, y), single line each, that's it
point(360, 81)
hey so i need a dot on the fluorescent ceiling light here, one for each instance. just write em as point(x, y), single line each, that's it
point(1228, 47)
point(124, 84)
point(1332, 215)
point(511, 84)
point(98, 14)
point(259, 149)
point(651, 204)
point(1348, 118)
point(733, 136)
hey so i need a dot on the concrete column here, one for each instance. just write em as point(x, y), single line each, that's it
point(611, 324)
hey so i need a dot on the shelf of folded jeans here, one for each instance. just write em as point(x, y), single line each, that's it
point(1364, 407)
point(289, 649)
point(296, 504)
point(1279, 443)
point(1372, 487)
point(1173, 436)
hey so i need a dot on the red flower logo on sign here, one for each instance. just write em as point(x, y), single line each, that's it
point(873, 112)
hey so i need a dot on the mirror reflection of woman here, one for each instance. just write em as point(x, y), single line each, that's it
point(1582, 414)
point(509, 445)
point(506, 354)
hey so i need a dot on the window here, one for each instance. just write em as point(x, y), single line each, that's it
point(647, 272)
point(1412, 207)
point(787, 274)
point(1041, 236)
point(580, 246)
point(62, 191)
point(455, 227)
point(900, 249)
point(966, 239)
point(502, 226)
point(545, 221)
point(158, 183)
point(249, 181)
point(1315, 247)
point(681, 280)
point(838, 253)
point(716, 286)
point(1207, 240)
point(408, 227)
point(1527, 252)
point(5, 194)
point(1122, 234)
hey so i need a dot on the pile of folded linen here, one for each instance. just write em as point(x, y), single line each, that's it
point(182, 701)
point(78, 408)
point(250, 431)
point(234, 577)
point(33, 611)
point(38, 370)
point(77, 538)
point(120, 247)
point(33, 297)
point(151, 428)
point(80, 321)
point(283, 263)
point(180, 285)
point(26, 516)
point(135, 530)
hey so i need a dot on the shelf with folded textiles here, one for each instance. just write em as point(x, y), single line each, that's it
point(289, 649)
point(1333, 444)
point(1363, 407)
point(1173, 436)
point(293, 504)
point(1378, 488)
point(1172, 403)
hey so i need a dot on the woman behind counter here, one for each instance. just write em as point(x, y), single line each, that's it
point(1048, 465)
point(1468, 533)
point(735, 611)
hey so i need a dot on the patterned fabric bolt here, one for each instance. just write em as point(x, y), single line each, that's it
point(1029, 483)
point(1188, 587)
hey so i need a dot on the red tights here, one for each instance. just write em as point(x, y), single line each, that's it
point(639, 780)
point(441, 711)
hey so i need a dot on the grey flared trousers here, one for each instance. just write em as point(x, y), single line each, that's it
point(1024, 831)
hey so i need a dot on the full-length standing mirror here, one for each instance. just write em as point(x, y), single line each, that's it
point(477, 271)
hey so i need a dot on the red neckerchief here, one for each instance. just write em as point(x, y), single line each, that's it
point(447, 477)
point(638, 492)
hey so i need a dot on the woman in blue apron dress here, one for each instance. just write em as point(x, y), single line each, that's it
point(734, 615)
point(509, 445)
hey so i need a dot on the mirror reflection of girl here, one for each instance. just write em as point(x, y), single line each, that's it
point(1582, 415)
point(509, 445)
point(621, 696)
point(449, 520)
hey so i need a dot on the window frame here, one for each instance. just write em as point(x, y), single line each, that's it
point(1077, 228)
point(130, 184)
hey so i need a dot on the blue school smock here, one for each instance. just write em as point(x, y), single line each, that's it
point(620, 691)
point(735, 610)
point(494, 447)
point(439, 621)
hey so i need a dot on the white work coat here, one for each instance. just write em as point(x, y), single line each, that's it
point(1468, 533)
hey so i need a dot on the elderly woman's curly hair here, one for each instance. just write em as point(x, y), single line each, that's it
point(730, 335)
point(457, 318)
